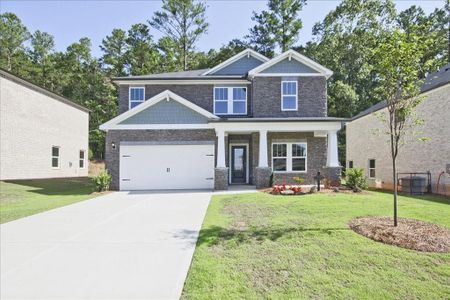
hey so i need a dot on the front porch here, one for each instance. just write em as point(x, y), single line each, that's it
point(245, 152)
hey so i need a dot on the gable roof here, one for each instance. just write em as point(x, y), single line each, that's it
point(44, 91)
point(247, 52)
point(166, 95)
point(291, 54)
point(432, 81)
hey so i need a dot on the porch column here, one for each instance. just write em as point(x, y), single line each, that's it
point(220, 149)
point(263, 149)
point(332, 149)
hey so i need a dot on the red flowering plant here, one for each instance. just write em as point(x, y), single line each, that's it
point(284, 188)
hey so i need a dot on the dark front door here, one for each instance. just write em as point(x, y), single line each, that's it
point(238, 164)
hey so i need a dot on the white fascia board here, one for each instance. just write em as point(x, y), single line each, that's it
point(154, 126)
point(185, 81)
point(276, 126)
point(289, 74)
point(295, 55)
point(246, 52)
point(166, 95)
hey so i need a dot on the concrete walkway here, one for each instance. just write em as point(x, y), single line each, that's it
point(124, 245)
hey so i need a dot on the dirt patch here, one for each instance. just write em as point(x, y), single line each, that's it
point(410, 233)
point(96, 167)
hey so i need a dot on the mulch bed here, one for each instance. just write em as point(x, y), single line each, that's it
point(410, 233)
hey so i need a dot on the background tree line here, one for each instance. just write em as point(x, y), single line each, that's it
point(344, 41)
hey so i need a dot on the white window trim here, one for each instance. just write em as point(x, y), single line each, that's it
point(289, 157)
point(58, 157)
point(296, 95)
point(129, 95)
point(230, 100)
point(369, 168)
point(84, 159)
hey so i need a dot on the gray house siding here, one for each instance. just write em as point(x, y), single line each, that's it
point(292, 66)
point(239, 67)
point(312, 97)
point(167, 112)
point(118, 136)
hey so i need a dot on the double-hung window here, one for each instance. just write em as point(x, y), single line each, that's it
point(289, 95)
point(289, 157)
point(350, 164)
point(82, 159)
point(55, 157)
point(136, 97)
point(230, 100)
point(372, 172)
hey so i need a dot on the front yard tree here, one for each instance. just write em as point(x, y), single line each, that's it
point(397, 61)
point(279, 26)
point(183, 21)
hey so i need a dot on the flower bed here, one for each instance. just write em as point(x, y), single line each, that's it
point(285, 189)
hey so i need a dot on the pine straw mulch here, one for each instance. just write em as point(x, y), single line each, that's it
point(410, 233)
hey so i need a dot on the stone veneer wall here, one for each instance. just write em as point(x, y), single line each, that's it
point(116, 136)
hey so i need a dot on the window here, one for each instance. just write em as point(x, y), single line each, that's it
point(137, 95)
point(350, 164)
point(289, 157)
point(82, 159)
point(230, 100)
point(55, 157)
point(289, 95)
point(371, 168)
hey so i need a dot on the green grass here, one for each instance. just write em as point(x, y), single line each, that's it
point(23, 198)
point(299, 247)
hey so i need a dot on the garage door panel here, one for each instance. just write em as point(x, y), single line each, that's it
point(144, 167)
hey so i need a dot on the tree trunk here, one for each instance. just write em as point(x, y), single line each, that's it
point(394, 175)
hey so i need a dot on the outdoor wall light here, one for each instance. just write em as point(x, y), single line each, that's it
point(113, 145)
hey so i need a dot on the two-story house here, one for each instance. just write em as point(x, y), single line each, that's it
point(237, 123)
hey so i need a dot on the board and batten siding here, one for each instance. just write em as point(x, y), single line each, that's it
point(364, 143)
point(30, 124)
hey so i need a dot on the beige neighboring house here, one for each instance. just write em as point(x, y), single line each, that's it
point(42, 135)
point(371, 150)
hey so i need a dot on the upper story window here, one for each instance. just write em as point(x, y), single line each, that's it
point(137, 96)
point(289, 95)
point(230, 100)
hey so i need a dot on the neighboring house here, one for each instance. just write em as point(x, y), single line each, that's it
point(233, 124)
point(42, 135)
point(368, 149)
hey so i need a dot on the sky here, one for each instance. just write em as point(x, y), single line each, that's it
point(70, 20)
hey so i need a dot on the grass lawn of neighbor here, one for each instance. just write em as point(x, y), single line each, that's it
point(23, 198)
point(300, 247)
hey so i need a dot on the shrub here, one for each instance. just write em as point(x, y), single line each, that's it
point(102, 181)
point(298, 180)
point(355, 179)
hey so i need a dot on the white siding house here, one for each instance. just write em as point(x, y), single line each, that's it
point(370, 150)
point(43, 135)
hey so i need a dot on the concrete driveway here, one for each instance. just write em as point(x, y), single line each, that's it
point(124, 245)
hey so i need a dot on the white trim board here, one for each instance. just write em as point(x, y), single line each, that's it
point(290, 54)
point(181, 81)
point(247, 52)
point(167, 96)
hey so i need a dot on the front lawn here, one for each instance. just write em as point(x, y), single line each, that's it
point(300, 247)
point(22, 198)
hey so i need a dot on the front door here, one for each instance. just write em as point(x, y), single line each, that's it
point(238, 164)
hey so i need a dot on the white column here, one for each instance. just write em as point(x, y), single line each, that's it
point(220, 149)
point(263, 149)
point(332, 149)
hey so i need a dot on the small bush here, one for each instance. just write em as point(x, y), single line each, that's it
point(298, 180)
point(102, 181)
point(355, 179)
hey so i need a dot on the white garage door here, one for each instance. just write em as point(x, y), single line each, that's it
point(149, 167)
